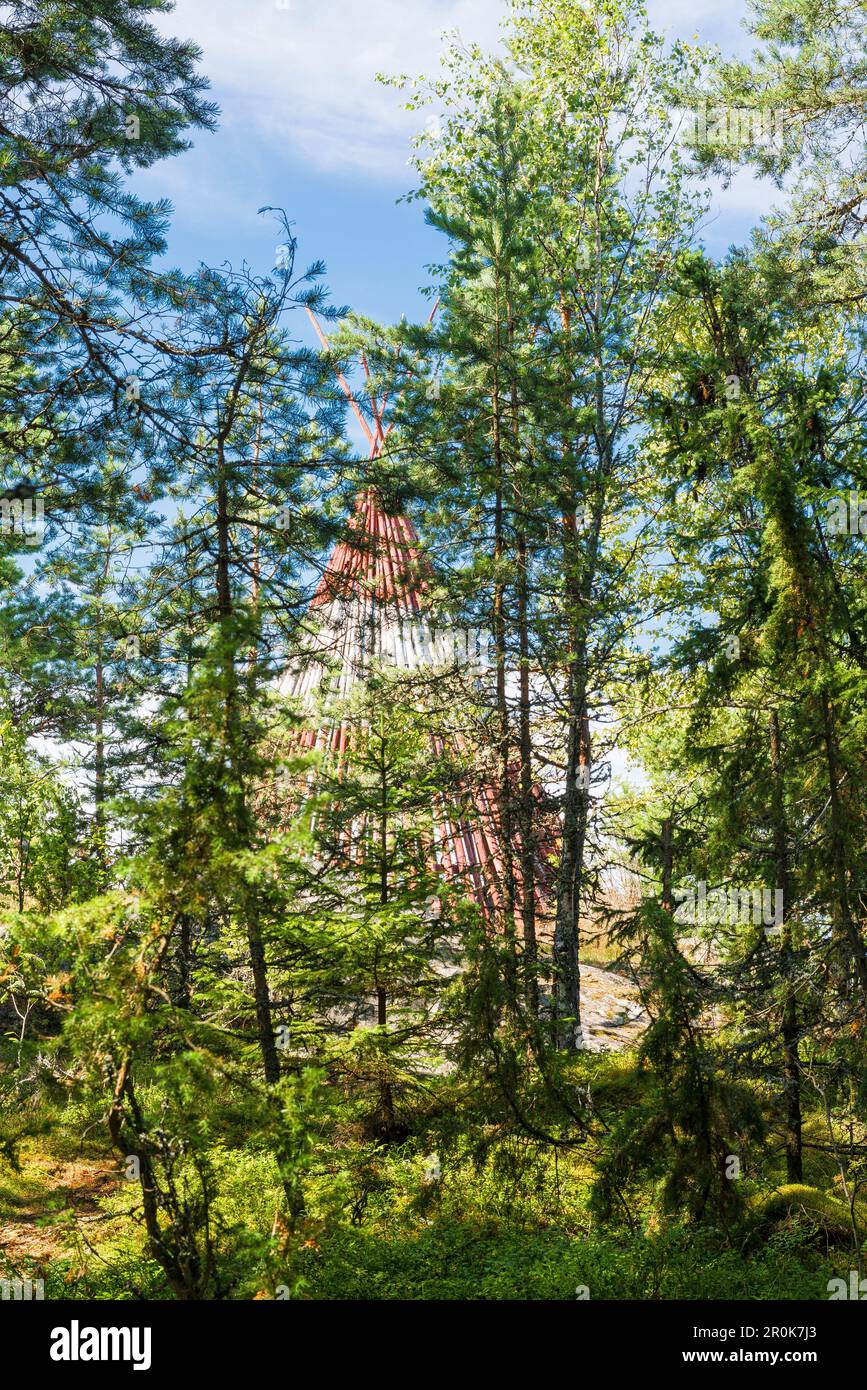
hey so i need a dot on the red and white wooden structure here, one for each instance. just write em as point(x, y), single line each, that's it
point(372, 606)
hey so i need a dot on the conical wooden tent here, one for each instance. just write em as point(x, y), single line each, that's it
point(372, 607)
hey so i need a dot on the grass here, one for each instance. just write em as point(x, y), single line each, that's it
point(512, 1228)
point(451, 1260)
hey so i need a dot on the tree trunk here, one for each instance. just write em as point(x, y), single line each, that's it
point(184, 961)
point(386, 1093)
point(567, 968)
point(99, 778)
point(525, 802)
point(255, 942)
point(504, 797)
point(667, 866)
point(789, 1027)
point(846, 929)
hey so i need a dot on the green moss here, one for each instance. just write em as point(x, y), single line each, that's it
point(799, 1200)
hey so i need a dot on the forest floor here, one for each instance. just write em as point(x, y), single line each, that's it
point(522, 1231)
point(50, 1205)
point(56, 1202)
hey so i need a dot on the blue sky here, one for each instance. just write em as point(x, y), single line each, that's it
point(305, 126)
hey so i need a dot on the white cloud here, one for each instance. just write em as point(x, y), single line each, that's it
point(305, 75)
point(296, 80)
